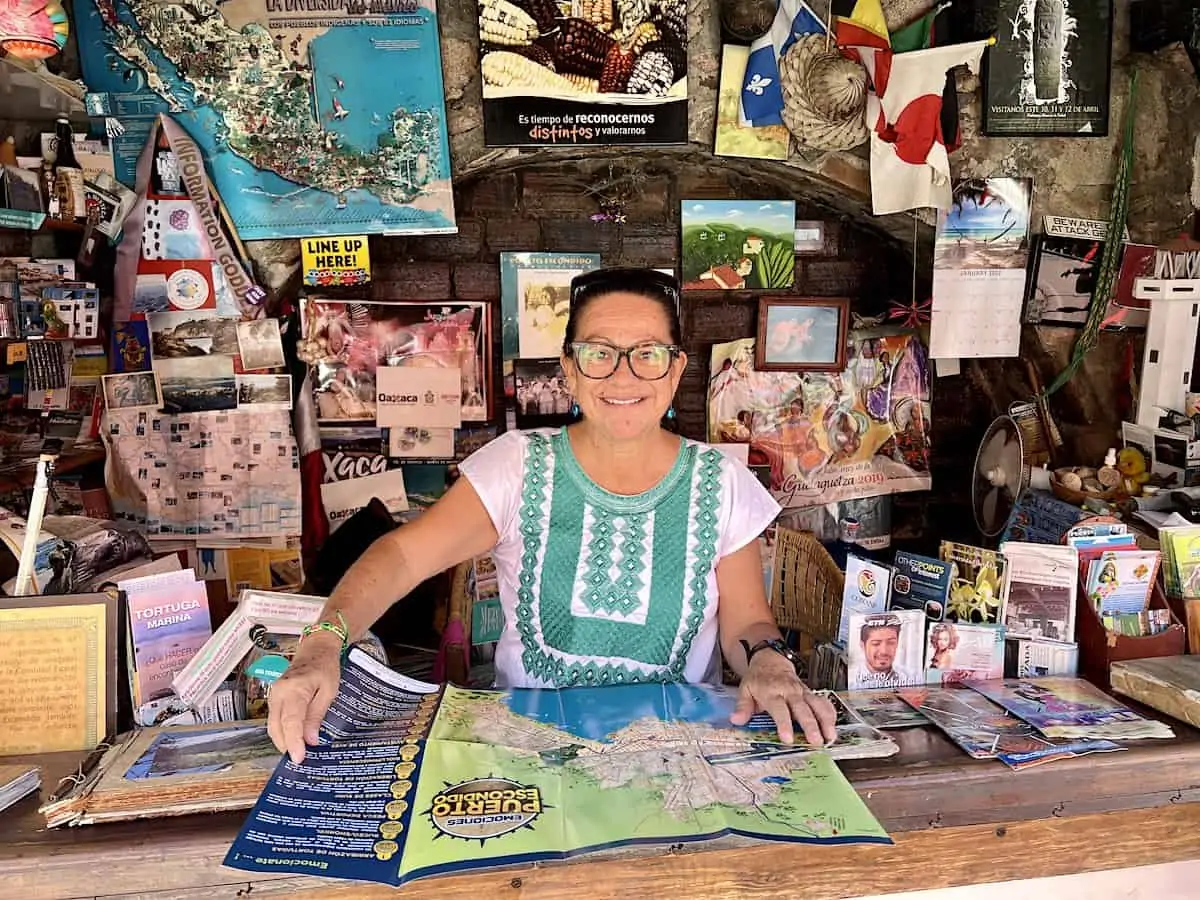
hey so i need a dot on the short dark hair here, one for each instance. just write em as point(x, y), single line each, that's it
point(652, 284)
point(878, 622)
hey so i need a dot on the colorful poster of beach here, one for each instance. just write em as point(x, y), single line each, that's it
point(583, 73)
point(311, 123)
point(733, 245)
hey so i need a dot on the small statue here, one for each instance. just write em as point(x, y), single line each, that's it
point(53, 326)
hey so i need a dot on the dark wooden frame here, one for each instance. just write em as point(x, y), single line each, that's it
point(765, 304)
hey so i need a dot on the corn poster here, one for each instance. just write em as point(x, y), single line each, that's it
point(583, 72)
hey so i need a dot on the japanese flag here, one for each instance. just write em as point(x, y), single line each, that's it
point(910, 167)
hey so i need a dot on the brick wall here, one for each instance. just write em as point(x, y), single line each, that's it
point(548, 207)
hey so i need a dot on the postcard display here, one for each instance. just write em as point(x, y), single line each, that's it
point(333, 124)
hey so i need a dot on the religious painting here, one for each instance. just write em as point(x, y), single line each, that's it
point(801, 335)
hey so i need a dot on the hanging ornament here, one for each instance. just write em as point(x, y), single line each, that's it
point(32, 29)
point(912, 314)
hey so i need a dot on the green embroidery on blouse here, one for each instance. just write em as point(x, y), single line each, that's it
point(601, 593)
point(617, 539)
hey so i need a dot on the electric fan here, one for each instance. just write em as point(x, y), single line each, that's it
point(1001, 476)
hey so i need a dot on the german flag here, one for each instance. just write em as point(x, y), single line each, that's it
point(860, 23)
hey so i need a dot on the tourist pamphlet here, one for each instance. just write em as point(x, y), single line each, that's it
point(411, 780)
point(1071, 709)
point(986, 731)
point(882, 709)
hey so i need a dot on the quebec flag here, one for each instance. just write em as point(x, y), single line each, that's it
point(762, 98)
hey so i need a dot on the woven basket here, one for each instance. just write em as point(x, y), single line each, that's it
point(806, 589)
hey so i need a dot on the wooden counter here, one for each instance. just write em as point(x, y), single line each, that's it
point(954, 820)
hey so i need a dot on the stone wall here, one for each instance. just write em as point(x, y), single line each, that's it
point(542, 200)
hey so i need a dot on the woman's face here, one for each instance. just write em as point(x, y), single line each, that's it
point(623, 406)
point(941, 639)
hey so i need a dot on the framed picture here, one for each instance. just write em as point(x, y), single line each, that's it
point(352, 339)
point(542, 399)
point(804, 335)
point(80, 636)
point(535, 300)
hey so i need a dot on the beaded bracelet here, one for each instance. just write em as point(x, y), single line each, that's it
point(342, 630)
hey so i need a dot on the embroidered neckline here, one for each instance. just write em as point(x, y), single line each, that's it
point(622, 503)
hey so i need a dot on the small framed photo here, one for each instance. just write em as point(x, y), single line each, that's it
point(542, 398)
point(801, 335)
point(132, 390)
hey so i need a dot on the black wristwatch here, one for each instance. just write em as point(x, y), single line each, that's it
point(773, 644)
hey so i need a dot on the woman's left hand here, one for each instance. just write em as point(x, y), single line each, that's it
point(771, 685)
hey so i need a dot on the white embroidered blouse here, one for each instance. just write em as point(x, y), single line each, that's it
point(602, 588)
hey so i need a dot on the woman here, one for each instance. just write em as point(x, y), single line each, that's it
point(943, 641)
point(623, 552)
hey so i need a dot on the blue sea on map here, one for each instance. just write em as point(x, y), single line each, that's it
point(262, 204)
point(597, 713)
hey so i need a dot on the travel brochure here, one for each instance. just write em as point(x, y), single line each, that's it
point(986, 731)
point(454, 780)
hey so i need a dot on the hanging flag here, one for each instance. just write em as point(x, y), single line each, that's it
point(761, 100)
point(862, 36)
point(921, 35)
point(861, 23)
point(910, 164)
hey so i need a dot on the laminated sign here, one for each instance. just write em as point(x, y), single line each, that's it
point(336, 261)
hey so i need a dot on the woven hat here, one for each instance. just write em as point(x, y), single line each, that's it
point(824, 95)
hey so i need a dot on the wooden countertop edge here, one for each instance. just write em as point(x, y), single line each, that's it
point(932, 858)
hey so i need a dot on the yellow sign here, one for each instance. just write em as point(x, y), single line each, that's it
point(336, 261)
point(17, 353)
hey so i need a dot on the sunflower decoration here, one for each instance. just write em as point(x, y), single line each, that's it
point(974, 601)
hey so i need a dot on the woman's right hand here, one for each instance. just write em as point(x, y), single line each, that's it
point(298, 701)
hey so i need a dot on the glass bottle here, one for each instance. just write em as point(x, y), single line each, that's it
point(847, 542)
point(64, 145)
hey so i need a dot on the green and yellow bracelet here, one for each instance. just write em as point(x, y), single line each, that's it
point(341, 629)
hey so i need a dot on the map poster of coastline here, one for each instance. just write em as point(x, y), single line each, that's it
point(409, 782)
point(610, 74)
point(315, 117)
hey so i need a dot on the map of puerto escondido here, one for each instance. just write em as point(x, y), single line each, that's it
point(644, 762)
point(316, 117)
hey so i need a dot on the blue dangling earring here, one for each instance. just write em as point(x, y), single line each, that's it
point(574, 410)
point(671, 412)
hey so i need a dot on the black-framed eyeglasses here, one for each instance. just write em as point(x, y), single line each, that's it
point(604, 281)
point(648, 361)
